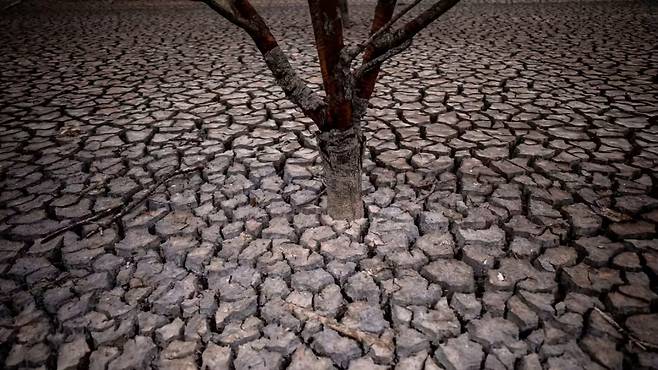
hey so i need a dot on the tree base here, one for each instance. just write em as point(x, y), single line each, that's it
point(341, 152)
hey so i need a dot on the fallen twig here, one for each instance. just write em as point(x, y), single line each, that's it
point(84, 221)
point(321, 193)
point(422, 198)
point(122, 209)
point(12, 4)
point(640, 343)
point(151, 190)
point(365, 338)
point(611, 214)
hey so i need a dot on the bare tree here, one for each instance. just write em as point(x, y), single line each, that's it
point(338, 116)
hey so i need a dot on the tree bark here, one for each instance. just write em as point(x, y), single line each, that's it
point(345, 13)
point(341, 152)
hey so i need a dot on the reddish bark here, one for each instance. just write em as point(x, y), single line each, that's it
point(383, 13)
point(328, 30)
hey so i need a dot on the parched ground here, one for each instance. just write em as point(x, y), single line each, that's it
point(511, 185)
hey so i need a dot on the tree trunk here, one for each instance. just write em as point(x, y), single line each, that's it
point(341, 152)
point(345, 13)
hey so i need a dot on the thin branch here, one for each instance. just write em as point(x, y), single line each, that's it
point(410, 29)
point(127, 209)
point(227, 10)
point(363, 337)
point(352, 52)
point(122, 209)
point(84, 221)
point(391, 39)
point(365, 86)
point(640, 343)
point(358, 74)
point(245, 16)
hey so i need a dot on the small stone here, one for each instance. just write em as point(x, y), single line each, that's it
point(136, 242)
point(437, 324)
point(433, 222)
point(644, 327)
point(491, 237)
point(460, 354)
point(169, 332)
point(582, 219)
point(634, 230)
point(493, 332)
point(587, 280)
point(137, 354)
point(365, 363)
point(250, 358)
point(452, 275)
point(361, 286)
point(235, 310)
point(305, 359)
point(71, 354)
point(603, 350)
point(100, 358)
point(340, 349)
point(312, 281)
point(628, 261)
point(555, 258)
point(467, 306)
point(436, 245)
point(365, 317)
point(530, 362)
point(520, 314)
point(409, 341)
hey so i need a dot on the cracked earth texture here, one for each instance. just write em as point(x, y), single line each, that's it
point(534, 248)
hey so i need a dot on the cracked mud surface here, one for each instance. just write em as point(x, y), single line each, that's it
point(535, 247)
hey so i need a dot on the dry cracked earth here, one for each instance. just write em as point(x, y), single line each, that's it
point(510, 184)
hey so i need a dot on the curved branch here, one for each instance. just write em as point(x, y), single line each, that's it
point(410, 29)
point(392, 40)
point(244, 15)
point(366, 84)
point(353, 52)
point(390, 53)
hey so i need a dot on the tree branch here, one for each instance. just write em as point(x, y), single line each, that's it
point(227, 10)
point(336, 77)
point(244, 15)
point(364, 68)
point(409, 30)
point(389, 40)
point(366, 83)
point(353, 52)
point(122, 209)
